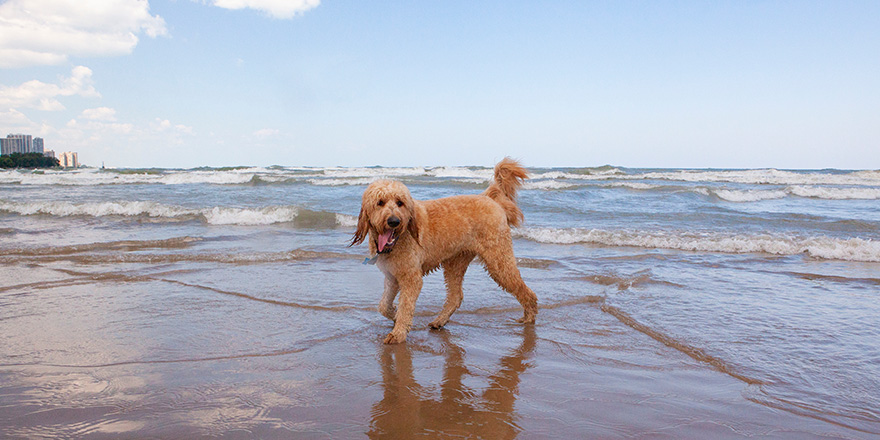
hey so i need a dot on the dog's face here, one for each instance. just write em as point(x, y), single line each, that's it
point(387, 211)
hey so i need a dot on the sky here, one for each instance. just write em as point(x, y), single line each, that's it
point(680, 84)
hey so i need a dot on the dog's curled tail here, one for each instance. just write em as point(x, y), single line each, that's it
point(509, 176)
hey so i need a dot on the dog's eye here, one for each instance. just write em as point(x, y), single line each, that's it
point(399, 203)
point(381, 203)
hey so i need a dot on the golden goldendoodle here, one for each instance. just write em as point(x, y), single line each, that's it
point(411, 238)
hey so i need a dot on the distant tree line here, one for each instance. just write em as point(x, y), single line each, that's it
point(27, 160)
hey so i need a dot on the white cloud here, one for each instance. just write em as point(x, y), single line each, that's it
point(98, 139)
point(275, 8)
point(43, 96)
point(162, 125)
point(266, 132)
point(99, 114)
point(47, 32)
point(15, 121)
point(98, 128)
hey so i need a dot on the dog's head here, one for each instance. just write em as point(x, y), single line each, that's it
point(387, 210)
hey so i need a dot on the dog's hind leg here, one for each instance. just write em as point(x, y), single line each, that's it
point(453, 273)
point(386, 304)
point(501, 265)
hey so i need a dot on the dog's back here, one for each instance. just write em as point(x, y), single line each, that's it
point(509, 176)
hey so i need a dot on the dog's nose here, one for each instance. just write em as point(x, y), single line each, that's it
point(393, 222)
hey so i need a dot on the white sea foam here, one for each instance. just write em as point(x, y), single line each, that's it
point(348, 221)
point(90, 177)
point(100, 209)
point(212, 177)
point(815, 192)
point(460, 172)
point(375, 172)
point(607, 171)
point(824, 185)
point(835, 193)
point(249, 216)
point(632, 185)
point(853, 249)
point(546, 185)
point(763, 176)
point(214, 216)
point(554, 175)
point(52, 177)
point(344, 182)
point(752, 195)
point(273, 178)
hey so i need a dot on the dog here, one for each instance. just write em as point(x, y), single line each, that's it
point(410, 238)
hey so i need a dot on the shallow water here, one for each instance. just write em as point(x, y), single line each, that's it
point(673, 303)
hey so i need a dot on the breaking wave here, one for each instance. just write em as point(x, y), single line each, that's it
point(547, 185)
point(751, 195)
point(852, 249)
point(764, 177)
point(834, 193)
point(814, 192)
point(97, 209)
point(800, 183)
point(218, 215)
point(90, 177)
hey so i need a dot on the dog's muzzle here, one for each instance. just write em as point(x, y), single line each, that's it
point(385, 242)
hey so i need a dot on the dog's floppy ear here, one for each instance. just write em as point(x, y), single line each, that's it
point(363, 228)
point(413, 225)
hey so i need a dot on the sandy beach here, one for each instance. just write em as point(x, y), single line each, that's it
point(189, 350)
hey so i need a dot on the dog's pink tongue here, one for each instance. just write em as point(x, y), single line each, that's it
point(384, 239)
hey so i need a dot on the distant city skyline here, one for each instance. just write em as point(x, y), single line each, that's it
point(188, 83)
point(26, 143)
point(21, 143)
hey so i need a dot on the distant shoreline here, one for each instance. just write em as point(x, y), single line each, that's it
point(28, 161)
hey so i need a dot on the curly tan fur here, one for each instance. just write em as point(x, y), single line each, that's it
point(448, 233)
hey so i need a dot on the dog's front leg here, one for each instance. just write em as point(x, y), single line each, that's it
point(410, 287)
point(386, 304)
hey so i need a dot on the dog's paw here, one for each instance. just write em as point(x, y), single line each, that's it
point(393, 338)
point(437, 324)
point(526, 320)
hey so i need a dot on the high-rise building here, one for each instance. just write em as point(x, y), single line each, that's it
point(68, 159)
point(21, 143)
point(18, 143)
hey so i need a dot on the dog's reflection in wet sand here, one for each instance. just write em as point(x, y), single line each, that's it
point(408, 408)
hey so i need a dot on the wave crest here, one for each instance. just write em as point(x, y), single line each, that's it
point(472, 175)
point(852, 249)
point(218, 215)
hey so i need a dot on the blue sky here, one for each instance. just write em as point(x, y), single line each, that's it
point(185, 83)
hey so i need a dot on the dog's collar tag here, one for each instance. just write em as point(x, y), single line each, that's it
point(372, 260)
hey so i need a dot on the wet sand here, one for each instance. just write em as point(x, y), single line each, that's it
point(123, 340)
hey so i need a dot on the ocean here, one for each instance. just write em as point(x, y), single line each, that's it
point(226, 302)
